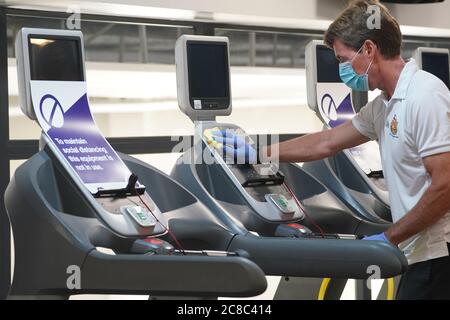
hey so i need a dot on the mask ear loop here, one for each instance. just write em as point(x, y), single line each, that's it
point(359, 50)
point(370, 64)
point(354, 56)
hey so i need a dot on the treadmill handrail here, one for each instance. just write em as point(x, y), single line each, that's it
point(175, 275)
point(334, 258)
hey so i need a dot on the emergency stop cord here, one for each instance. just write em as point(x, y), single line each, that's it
point(132, 180)
point(322, 233)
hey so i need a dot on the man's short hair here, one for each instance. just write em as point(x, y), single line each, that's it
point(351, 27)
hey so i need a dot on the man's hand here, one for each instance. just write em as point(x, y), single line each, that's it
point(377, 237)
point(235, 147)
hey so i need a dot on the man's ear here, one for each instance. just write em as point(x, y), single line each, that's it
point(370, 49)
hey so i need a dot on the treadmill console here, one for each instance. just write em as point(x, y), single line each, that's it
point(203, 76)
point(53, 91)
point(257, 175)
point(434, 61)
point(262, 185)
point(203, 87)
point(247, 175)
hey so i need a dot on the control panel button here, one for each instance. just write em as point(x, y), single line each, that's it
point(281, 203)
point(197, 104)
point(141, 216)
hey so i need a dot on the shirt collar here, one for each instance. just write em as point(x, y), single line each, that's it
point(401, 89)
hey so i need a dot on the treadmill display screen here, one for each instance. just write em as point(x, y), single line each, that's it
point(208, 70)
point(437, 64)
point(327, 65)
point(55, 59)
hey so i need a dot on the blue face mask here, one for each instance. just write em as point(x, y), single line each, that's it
point(358, 82)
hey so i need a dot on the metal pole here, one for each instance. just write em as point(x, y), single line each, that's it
point(252, 48)
point(275, 49)
point(5, 240)
point(360, 99)
point(121, 47)
point(144, 45)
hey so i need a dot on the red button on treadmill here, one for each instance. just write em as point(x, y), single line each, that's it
point(153, 241)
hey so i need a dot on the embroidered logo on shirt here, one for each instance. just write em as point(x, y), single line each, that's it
point(394, 127)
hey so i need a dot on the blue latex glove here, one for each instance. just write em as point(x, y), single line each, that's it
point(235, 147)
point(377, 237)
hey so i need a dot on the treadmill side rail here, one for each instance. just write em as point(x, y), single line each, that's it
point(306, 257)
point(201, 276)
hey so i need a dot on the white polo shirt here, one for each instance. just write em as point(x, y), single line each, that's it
point(413, 124)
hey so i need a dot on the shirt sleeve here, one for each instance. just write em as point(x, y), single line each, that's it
point(364, 121)
point(431, 126)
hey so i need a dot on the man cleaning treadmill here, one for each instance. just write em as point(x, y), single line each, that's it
point(410, 119)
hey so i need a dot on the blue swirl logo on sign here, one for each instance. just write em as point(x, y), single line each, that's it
point(52, 111)
point(334, 115)
point(328, 107)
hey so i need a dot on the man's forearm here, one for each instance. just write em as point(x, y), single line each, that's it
point(433, 205)
point(316, 146)
point(307, 148)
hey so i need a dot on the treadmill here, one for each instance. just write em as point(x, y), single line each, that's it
point(77, 195)
point(259, 202)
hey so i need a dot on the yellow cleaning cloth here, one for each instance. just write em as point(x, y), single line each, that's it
point(209, 138)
